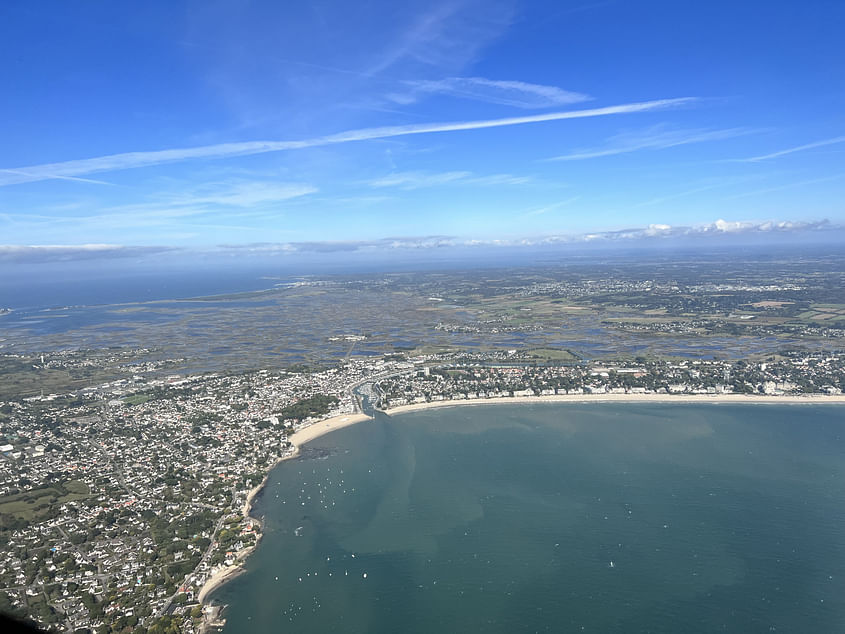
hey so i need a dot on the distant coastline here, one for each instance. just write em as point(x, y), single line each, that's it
point(323, 427)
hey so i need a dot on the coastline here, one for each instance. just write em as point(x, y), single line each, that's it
point(320, 428)
point(297, 439)
point(815, 399)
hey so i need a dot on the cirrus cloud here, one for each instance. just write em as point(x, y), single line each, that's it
point(518, 94)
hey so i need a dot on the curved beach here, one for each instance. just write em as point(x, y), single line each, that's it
point(217, 579)
point(433, 488)
point(318, 429)
point(297, 439)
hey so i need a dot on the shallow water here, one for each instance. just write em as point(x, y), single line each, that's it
point(592, 517)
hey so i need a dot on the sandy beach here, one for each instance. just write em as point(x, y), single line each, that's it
point(220, 577)
point(815, 399)
point(316, 430)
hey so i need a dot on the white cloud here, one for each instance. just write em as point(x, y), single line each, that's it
point(654, 138)
point(130, 160)
point(499, 179)
point(544, 210)
point(67, 178)
point(662, 199)
point(285, 248)
point(220, 206)
point(518, 94)
point(60, 252)
point(719, 227)
point(42, 253)
point(419, 179)
point(450, 35)
point(244, 194)
point(768, 226)
point(650, 232)
point(416, 180)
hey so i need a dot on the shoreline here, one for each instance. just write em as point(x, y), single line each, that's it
point(300, 437)
point(815, 399)
point(323, 427)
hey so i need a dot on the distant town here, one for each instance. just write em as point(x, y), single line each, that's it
point(119, 501)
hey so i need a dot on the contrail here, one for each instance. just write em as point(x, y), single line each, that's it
point(129, 160)
point(808, 146)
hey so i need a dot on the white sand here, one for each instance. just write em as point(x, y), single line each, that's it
point(316, 430)
point(628, 398)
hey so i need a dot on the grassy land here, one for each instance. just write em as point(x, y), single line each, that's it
point(43, 502)
point(137, 399)
point(823, 312)
point(552, 354)
point(429, 349)
point(30, 382)
point(521, 310)
point(26, 377)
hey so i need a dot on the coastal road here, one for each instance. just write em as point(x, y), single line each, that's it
point(205, 557)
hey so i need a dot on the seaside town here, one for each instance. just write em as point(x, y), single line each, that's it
point(124, 504)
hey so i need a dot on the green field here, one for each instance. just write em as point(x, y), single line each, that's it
point(137, 399)
point(552, 354)
point(43, 502)
point(823, 312)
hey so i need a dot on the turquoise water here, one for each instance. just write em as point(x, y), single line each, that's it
point(557, 518)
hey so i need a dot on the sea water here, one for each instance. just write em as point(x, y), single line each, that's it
point(556, 518)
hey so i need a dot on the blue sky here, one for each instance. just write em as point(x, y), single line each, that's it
point(278, 126)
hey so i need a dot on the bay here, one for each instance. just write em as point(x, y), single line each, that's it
point(550, 518)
